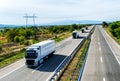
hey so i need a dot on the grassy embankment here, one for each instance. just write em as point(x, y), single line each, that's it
point(63, 36)
point(12, 57)
point(67, 75)
point(115, 38)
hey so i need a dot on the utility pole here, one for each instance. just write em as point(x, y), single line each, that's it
point(34, 19)
point(26, 17)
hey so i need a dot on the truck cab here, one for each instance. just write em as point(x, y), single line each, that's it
point(31, 55)
point(36, 53)
point(75, 34)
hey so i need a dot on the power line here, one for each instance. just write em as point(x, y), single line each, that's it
point(28, 16)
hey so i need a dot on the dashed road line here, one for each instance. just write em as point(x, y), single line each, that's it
point(103, 78)
point(99, 48)
point(101, 59)
point(112, 50)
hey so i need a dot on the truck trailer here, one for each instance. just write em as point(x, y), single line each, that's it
point(36, 53)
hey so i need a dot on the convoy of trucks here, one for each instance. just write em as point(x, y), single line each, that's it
point(75, 34)
point(36, 53)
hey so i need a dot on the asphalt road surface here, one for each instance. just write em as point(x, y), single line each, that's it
point(103, 61)
point(19, 72)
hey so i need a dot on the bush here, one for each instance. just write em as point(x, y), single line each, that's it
point(26, 43)
point(22, 38)
point(104, 24)
point(115, 29)
point(16, 39)
point(34, 41)
point(0, 48)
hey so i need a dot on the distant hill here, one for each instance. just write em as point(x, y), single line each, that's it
point(75, 22)
point(66, 22)
point(1, 25)
point(4, 25)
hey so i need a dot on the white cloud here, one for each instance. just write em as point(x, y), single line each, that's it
point(12, 11)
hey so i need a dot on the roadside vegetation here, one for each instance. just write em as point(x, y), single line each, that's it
point(113, 30)
point(23, 35)
point(10, 58)
point(72, 71)
point(18, 38)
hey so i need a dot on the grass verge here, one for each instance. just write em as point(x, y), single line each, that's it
point(8, 59)
point(63, 36)
point(108, 31)
point(77, 60)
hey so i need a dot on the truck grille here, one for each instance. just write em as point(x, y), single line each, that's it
point(30, 62)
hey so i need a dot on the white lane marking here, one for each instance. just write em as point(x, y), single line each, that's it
point(37, 68)
point(103, 78)
point(99, 48)
point(101, 59)
point(112, 50)
point(11, 71)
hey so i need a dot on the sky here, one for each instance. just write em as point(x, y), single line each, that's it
point(47, 11)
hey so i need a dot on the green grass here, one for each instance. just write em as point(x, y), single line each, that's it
point(66, 76)
point(115, 38)
point(8, 59)
point(63, 36)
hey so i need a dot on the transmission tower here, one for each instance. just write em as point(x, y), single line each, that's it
point(27, 17)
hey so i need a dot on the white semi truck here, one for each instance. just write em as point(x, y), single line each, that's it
point(36, 53)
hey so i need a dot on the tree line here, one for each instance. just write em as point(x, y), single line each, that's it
point(115, 29)
point(22, 35)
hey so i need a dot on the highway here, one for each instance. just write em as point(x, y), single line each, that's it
point(42, 72)
point(103, 60)
point(19, 72)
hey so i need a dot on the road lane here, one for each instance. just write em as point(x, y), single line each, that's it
point(113, 45)
point(100, 65)
point(43, 72)
point(112, 67)
point(21, 63)
point(48, 67)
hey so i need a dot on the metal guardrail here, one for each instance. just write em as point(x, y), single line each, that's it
point(75, 72)
point(66, 61)
point(82, 68)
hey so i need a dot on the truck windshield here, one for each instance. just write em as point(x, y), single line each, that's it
point(31, 54)
point(74, 33)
